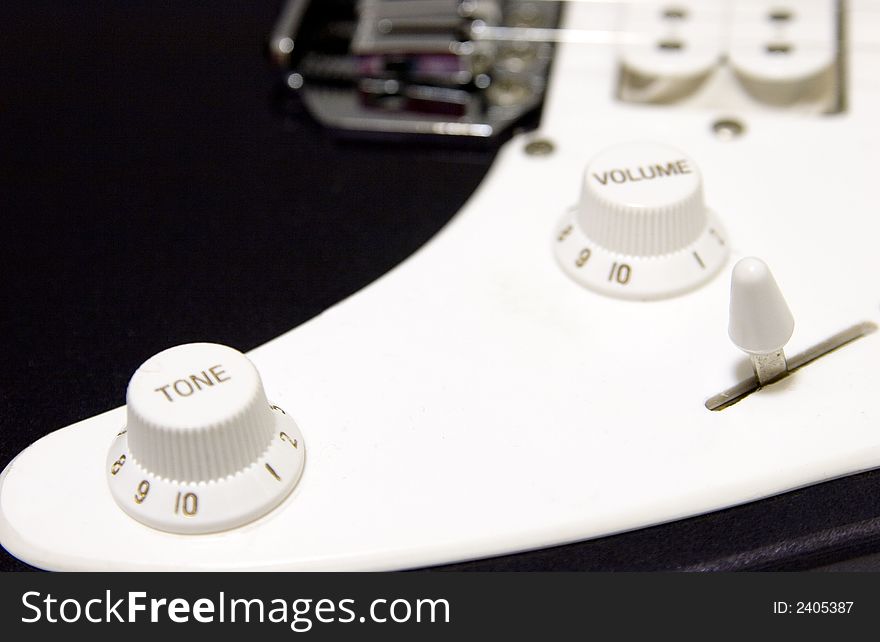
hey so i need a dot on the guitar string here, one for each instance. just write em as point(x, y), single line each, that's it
point(672, 34)
point(663, 39)
point(673, 17)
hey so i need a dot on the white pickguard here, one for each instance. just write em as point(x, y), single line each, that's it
point(475, 401)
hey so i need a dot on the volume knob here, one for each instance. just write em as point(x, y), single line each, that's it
point(203, 450)
point(641, 229)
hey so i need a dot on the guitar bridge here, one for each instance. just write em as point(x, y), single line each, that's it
point(412, 66)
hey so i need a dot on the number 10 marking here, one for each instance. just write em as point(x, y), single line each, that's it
point(190, 504)
point(620, 273)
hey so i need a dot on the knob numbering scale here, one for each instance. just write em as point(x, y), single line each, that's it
point(203, 450)
point(641, 229)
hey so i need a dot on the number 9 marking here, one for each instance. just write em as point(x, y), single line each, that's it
point(142, 490)
point(583, 257)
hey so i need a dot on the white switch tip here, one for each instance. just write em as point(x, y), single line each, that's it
point(760, 320)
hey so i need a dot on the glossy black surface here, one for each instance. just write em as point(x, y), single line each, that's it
point(151, 195)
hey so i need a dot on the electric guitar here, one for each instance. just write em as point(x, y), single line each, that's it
point(657, 307)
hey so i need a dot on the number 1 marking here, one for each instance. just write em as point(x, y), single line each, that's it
point(272, 470)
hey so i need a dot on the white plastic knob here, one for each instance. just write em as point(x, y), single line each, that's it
point(760, 320)
point(203, 450)
point(641, 229)
point(642, 199)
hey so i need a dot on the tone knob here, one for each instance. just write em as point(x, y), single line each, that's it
point(641, 229)
point(203, 450)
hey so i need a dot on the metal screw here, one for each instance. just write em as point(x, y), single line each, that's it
point(778, 48)
point(675, 13)
point(728, 128)
point(295, 80)
point(780, 15)
point(670, 45)
point(540, 147)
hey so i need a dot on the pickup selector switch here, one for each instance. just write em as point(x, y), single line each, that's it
point(203, 450)
point(641, 229)
point(760, 321)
